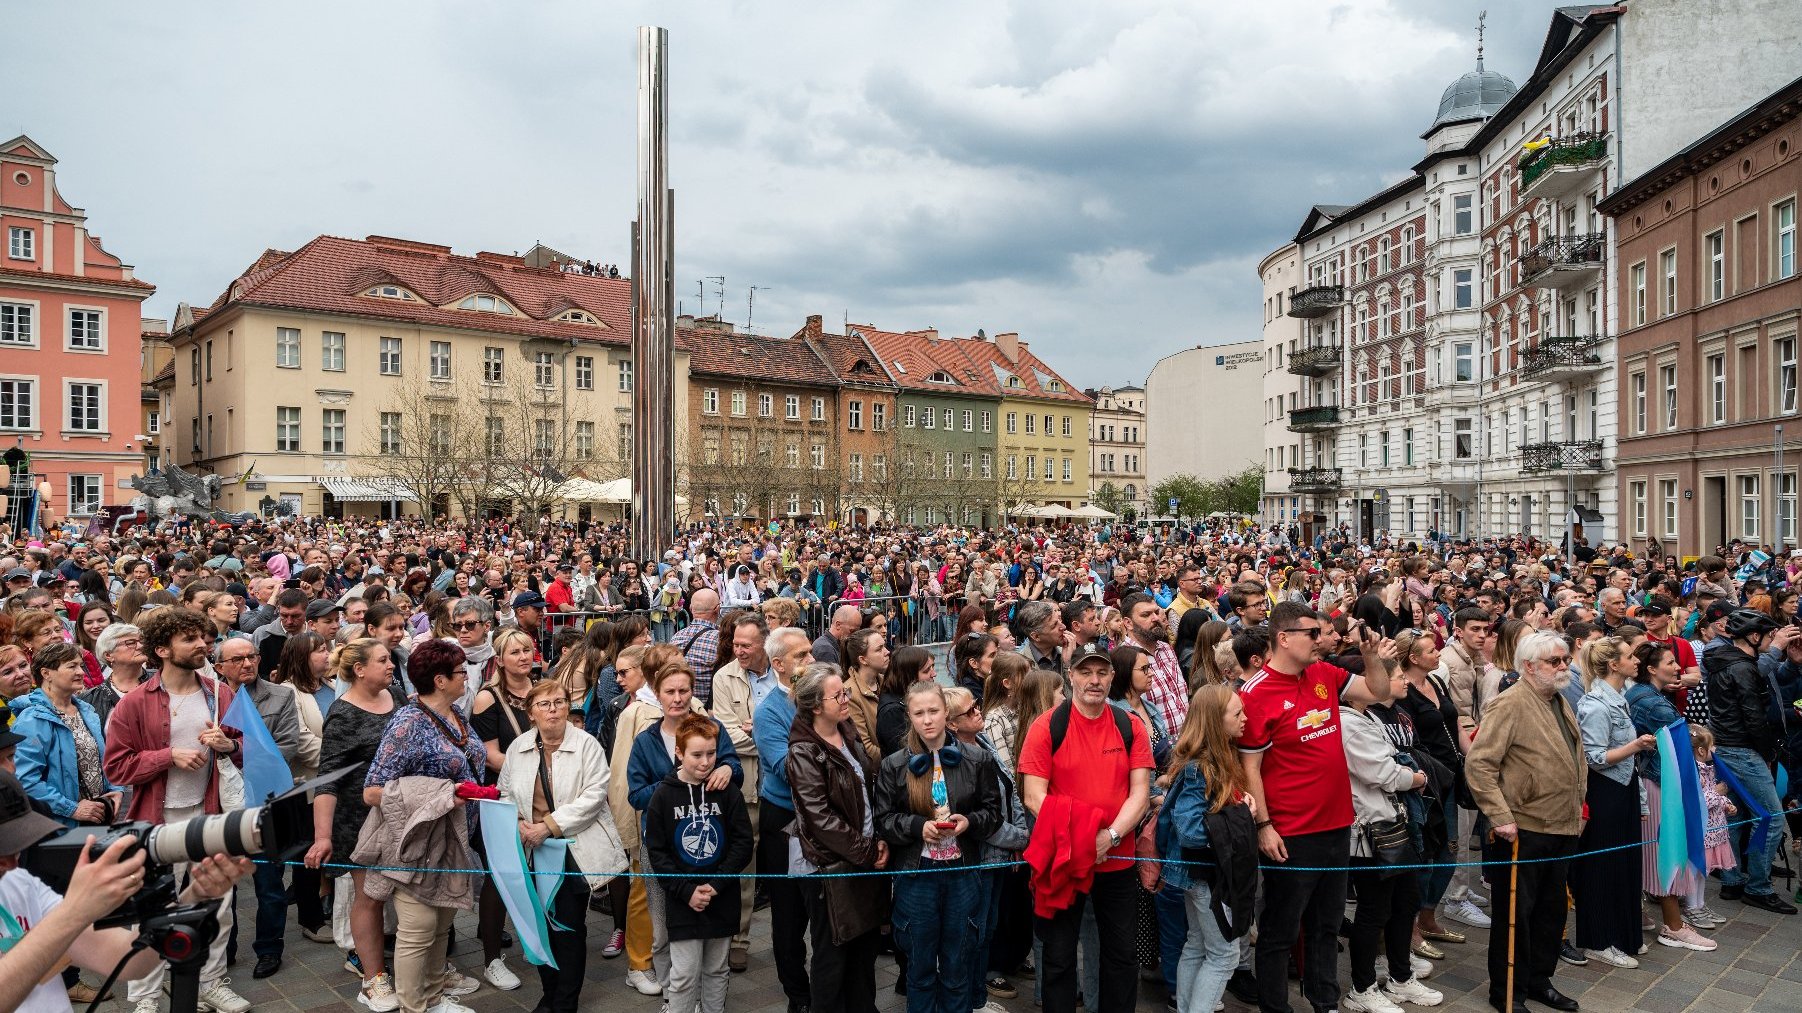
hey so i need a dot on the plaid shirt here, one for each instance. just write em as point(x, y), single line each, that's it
point(1169, 690)
point(1002, 726)
point(699, 642)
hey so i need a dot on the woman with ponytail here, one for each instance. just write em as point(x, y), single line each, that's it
point(1606, 885)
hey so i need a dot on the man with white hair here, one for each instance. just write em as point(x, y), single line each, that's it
point(788, 654)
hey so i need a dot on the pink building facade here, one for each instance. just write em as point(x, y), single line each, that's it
point(69, 347)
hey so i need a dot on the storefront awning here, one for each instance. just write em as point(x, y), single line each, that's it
point(365, 490)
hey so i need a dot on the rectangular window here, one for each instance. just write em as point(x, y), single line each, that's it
point(493, 365)
point(1667, 382)
point(1463, 362)
point(988, 422)
point(287, 429)
point(817, 455)
point(85, 330)
point(855, 467)
point(625, 443)
point(1047, 425)
point(391, 432)
point(21, 243)
point(390, 356)
point(969, 421)
point(766, 406)
point(1462, 223)
point(1786, 508)
point(950, 420)
point(1013, 470)
point(1667, 280)
point(584, 440)
point(710, 401)
point(1463, 291)
point(1407, 447)
point(18, 403)
point(819, 410)
point(544, 439)
point(332, 431)
point(154, 422)
point(929, 419)
point(544, 371)
point(1749, 504)
point(1383, 448)
point(1667, 504)
point(1066, 468)
point(878, 416)
point(438, 433)
point(854, 414)
point(1785, 259)
point(17, 324)
point(908, 416)
point(331, 351)
point(1639, 402)
point(948, 472)
point(1717, 389)
point(441, 360)
point(625, 376)
point(584, 372)
point(1462, 447)
point(1714, 252)
point(1031, 421)
point(84, 495)
point(1010, 422)
point(1638, 286)
point(84, 407)
point(879, 466)
point(287, 347)
point(988, 466)
point(1032, 466)
point(1636, 492)
point(1786, 375)
point(791, 407)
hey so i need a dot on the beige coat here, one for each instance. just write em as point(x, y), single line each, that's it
point(420, 824)
point(732, 706)
point(1523, 769)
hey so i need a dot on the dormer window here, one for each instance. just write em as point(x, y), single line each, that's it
point(486, 304)
point(1013, 383)
point(391, 292)
point(940, 376)
point(579, 317)
point(1056, 386)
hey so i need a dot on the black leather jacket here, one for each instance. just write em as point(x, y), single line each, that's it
point(1739, 701)
point(971, 787)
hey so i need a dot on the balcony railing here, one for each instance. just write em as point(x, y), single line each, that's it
point(1315, 360)
point(1562, 167)
point(1316, 300)
point(1563, 261)
point(1323, 481)
point(1577, 455)
point(1317, 419)
point(1558, 359)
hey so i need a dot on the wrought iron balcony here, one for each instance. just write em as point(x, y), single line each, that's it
point(1557, 359)
point(1315, 360)
point(1317, 419)
point(1563, 262)
point(1564, 167)
point(1317, 481)
point(1577, 455)
point(1316, 301)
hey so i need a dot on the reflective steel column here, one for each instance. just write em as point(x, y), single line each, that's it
point(653, 303)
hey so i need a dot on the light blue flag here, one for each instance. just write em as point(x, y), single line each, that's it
point(265, 771)
point(547, 863)
point(1673, 839)
point(507, 868)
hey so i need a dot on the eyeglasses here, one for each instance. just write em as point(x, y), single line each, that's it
point(551, 705)
point(960, 715)
point(238, 660)
point(465, 627)
point(842, 696)
point(1312, 632)
point(1558, 659)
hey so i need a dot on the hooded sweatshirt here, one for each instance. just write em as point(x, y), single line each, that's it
point(694, 836)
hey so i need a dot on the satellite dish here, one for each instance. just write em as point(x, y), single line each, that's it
point(982, 334)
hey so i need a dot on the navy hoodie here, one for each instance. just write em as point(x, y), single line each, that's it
point(694, 836)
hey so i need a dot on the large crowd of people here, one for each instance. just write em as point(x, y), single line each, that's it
point(1033, 764)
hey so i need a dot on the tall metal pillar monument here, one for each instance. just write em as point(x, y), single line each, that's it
point(653, 308)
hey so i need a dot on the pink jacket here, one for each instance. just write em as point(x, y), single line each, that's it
point(137, 746)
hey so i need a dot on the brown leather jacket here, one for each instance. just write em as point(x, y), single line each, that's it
point(831, 801)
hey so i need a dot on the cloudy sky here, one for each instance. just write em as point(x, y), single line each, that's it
point(1102, 178)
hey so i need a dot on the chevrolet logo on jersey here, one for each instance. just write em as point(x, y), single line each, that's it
point(1313, 719)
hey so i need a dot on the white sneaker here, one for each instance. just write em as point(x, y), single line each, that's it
point(1613, 955)
point(457, 984)
point(1454, 894)
point(1478, 899)
point(1421, 967)
point(991, 1007)
point(1371, 1000)
point(146, 1006)
point(221, 999)
point(644, 981)
point(1468, 913)
point(1413, 993)
point(449, 1006)
point(500, 975)
point(378, 994)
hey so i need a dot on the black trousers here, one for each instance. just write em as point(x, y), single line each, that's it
point(1387, 906)
point(569, 948)
point(1538, 907)
point(1309, 904)
point(843, 977)
point(788, 911)
point(1115, 896)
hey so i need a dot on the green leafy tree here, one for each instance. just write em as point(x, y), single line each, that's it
point(1111, 498)
point(1242, 493)
point(1190, 493)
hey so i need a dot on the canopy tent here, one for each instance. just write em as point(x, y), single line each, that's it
point(1093, 513)
point(617, 492)
point(1053, 512)
point(375, 489)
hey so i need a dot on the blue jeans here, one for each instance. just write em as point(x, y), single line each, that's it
point(1173, 928)
point(987, 914)
point(935, 924)
point(1754, 872)
point(272, 910)
point(1434, 881)
point(1208, 957)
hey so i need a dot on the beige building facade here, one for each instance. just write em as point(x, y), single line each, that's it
point(1117, 448)
point(1199, 402)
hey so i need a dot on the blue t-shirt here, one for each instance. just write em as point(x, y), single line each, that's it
point(769, 729)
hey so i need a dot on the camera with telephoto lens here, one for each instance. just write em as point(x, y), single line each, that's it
point(279, 830)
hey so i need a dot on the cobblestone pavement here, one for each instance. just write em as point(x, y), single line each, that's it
point(1758, 967)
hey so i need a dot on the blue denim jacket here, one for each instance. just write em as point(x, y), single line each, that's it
point(1182, 823)
point(1650, 710)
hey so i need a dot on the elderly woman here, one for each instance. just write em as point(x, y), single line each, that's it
point(830, 775)
point(59, 761)
point(428, 740)
point(120, 648)
point(556, 774)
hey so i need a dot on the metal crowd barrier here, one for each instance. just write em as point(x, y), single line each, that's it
point(555, 622)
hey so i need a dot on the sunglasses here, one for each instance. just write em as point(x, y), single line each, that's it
point(1311, 632)
point(466, 626)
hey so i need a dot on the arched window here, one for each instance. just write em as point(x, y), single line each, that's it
point(484, 303)
point(391, 292)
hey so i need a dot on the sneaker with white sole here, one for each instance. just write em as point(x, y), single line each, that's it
point(1478, 899)
point(616, 945)
point(378, 994)
point(1613, 956)
point(500, 975)
point(449, 1006)
point(1468, 913)
point(146, 1006)
point(1371, 1000)
point(1421, 967)
point(221, 999)
point(1687, 938)
point(644, 981)
point(457, 984)
point(991, 1007)
point(1412, 992)
point(1703, 918)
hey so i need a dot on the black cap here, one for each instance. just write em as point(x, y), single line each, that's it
point(1656, 605)
point(238, 589)
point(1087, 652)
point(566, 568)
point(1721, 609)
point(21, 826)
point(528, 600)
point(319, 608)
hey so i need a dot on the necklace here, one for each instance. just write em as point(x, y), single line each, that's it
point(458, 737)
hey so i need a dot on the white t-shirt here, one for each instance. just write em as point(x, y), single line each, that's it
point(26, 901)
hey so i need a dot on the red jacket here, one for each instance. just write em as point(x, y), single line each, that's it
point(137, 746)
point(1061, 852)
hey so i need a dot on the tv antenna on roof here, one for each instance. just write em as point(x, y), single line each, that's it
point(751, 303)
point(719, 289)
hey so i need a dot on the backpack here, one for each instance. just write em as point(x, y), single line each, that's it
point(1060, 727)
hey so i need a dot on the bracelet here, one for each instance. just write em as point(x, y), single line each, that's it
point(1261, 824)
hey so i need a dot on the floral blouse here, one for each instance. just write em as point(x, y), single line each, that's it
point(419, 743)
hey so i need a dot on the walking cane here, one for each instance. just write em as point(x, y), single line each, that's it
point(1513, 910)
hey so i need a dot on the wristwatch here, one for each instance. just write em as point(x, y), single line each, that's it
point(1114, 835)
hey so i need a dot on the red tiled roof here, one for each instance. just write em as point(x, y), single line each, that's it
point(331, 273)
point(84, 279)
point(912, 356)
point(845, 354)
point(754, 356)
point(1029, 368)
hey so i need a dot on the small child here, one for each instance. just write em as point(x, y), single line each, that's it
point(1714, 839)
point(694, 837)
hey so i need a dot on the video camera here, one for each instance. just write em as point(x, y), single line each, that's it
point(280, 830)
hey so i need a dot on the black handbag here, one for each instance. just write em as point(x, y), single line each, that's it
point(1391, 845)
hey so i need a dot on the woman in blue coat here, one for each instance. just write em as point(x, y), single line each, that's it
point(59, 763)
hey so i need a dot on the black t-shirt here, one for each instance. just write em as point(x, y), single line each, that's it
point(1434, 724)
point(492, 726)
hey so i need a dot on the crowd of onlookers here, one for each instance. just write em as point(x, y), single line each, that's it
point(1073, 754)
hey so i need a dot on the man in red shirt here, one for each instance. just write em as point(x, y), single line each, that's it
point(559, 595)
point(1295, 765)
point(1092, 765)
point(1656, 615)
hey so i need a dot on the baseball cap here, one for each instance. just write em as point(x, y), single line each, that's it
point(1656, 605)
point(528, 600)
point(238, 589)
point(319, 608)
point(18, 573)
point(20, 825)
point(1721, 609)
point(1087, 652)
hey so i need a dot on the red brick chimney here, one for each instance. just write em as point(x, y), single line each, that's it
point(1009, 344)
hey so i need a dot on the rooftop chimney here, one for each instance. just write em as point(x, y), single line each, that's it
point(1009, 344)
